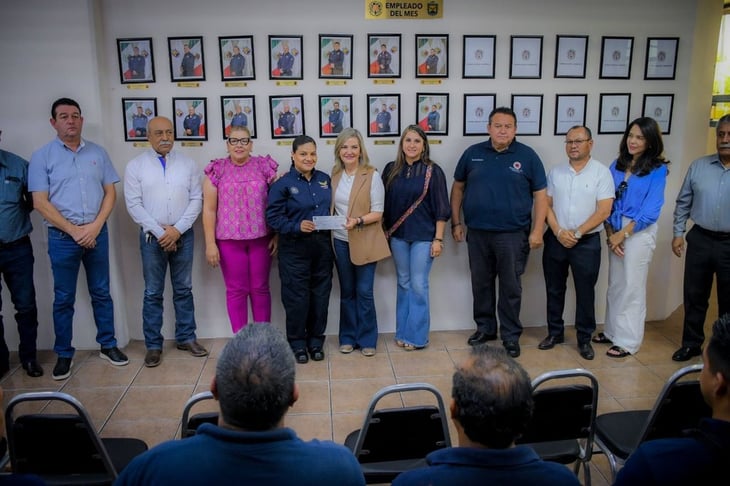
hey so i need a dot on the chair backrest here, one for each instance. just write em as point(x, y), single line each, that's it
point(190, 423)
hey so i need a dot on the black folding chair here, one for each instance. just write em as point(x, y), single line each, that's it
point(190, 423)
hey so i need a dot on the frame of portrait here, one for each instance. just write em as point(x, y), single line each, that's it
point(285, 57)
point(335, 56)
point(477, 108)
point(191, 118)
point(571, 52)
point(432, 113)
point(287, 116)
point(432, 56)
point(478, 60)
point(661, 58)
point(383, 115)
point(570, 110)
point(616, 54)
point(526, 57)
point(335, 114)
point(528, 109)
point(384, 56)
point(613, 112)
point(136, 61)
point(237, 57)
point(238, 111)
point(659, 107)
point(186, 58)
point(137, 113)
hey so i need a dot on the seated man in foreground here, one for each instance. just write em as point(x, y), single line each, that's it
point(254, 385)
point(491, 406)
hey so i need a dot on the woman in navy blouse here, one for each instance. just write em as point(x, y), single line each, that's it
point(639, 175)
point(416, 210)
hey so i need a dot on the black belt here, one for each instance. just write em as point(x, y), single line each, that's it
point(718, 235)
point(20, 241)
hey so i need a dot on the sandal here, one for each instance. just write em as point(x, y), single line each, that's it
point(617, 352)
point(601, 338)
point(400, 343)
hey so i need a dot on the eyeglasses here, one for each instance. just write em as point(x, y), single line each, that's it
point(576, 142)
point(239, 141)
point(621, 189)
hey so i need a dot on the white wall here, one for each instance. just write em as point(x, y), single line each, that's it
point(57, 49)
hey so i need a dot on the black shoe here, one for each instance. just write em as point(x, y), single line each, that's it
point(317, 354)
point(586, 351)
point(512, 347)
point(550, 342)
point(33, 369)
point(301, 356)
point(114, 356)
point(685, 353)
point(152, 358)
point(480, 337)
point(62, 370)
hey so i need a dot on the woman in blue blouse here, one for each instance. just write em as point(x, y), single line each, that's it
point(639, 175)
point(416, 210)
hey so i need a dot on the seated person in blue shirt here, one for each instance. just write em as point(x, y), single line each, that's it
point(701, 457)
point(255, 386)
point(491, 406)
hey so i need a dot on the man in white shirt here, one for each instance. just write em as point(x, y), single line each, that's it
point(163, 193)
point(580, 196)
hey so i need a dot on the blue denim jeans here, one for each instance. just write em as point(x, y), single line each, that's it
point(358, 321)
point(16, 267)
point(412, 315)
point(155, 261)
point(66, 259)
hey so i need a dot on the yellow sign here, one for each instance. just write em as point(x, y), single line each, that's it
point(236, 84)
point(188, 84)
point(337, 82)
point(382, 10)
point(138, 86)
point(431, 81)
point(384, 142)
point(191, 144)
point(286, 83)
point(384, 81)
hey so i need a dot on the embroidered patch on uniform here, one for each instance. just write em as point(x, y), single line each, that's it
point(323, 184)
point(516, 167)
point(294, 190)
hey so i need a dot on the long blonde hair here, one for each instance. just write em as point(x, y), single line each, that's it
point(345, 135)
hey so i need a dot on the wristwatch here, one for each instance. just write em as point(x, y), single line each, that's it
point(577, 234)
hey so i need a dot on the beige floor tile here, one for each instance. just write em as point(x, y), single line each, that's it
point(422, 362)
point(635, 382)
point(355, 395)
point(345, 423)
point(311, 426)
point(99, 373)
point(153, 402)
point(348, 367)
point(314, 397)
point(314, 370)
point(152, 431)
point(99, 402)
point(172, 370)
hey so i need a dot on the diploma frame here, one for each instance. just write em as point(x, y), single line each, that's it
point(526, 57)
point(528, 109)
point(131, 110)
point(184, 108)
point(229, 109)
point(571, 52)
point(616, 55)
point(428, 45)
point(613, 112)
point(278, 44)
point(226, 46)
point(277, 109)
point(126, 49)
point(477, 108)
point(661, 58)
point(326, 106)
point(392, 44)
point(659, 107)
point(376, 102)
point(176, 50)
point(326, 45)
point(570, 110)
point(478, 60)
point(425, 104)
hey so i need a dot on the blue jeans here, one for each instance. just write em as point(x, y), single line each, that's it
point(16, 267)
point(66, 259)
point(412, 265)
point(154, 267)
point(358, 321)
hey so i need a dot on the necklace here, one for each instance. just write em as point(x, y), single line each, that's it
point(349, 178)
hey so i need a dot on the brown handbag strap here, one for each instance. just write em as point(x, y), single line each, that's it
point(413, 207)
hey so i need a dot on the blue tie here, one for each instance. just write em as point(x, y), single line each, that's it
point(162, 160)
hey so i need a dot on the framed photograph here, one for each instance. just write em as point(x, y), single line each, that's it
point(432, 113)
point(661, 57)
point(287, 116)
point(526, 56)
point(570, 110)
point(383, 115)
point(659, 107)
point(528, 109)
point(186, 59)
point(285, 57)
point(137, 113)
point(335, 56)
point(571, 52)
point(613, 112)
point(477, 108)
point(335, 113)
point(432, 56)
point(237, 61)
point(136, 62)
point(238, 111)
point(384, 56)
point(191, 118)
point(616, 53)
point(478, 59)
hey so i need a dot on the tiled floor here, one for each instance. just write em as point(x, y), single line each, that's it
point(334, 394)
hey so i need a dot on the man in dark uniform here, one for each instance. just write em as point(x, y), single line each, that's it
point(139, 123)
point(383, 120)
point(384, 59)
point(238, 62)
point(286, 120)
point(286, 61)
point(187, 66)
point(336, 117)
point(336, 58)
point(191, 124)
point(432, 62)
point(136, 64)
point(434, 119)
point(239, 118)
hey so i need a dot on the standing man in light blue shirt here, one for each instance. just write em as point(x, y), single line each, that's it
point(705, 199)
point(164, 197)
point(72, 181)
